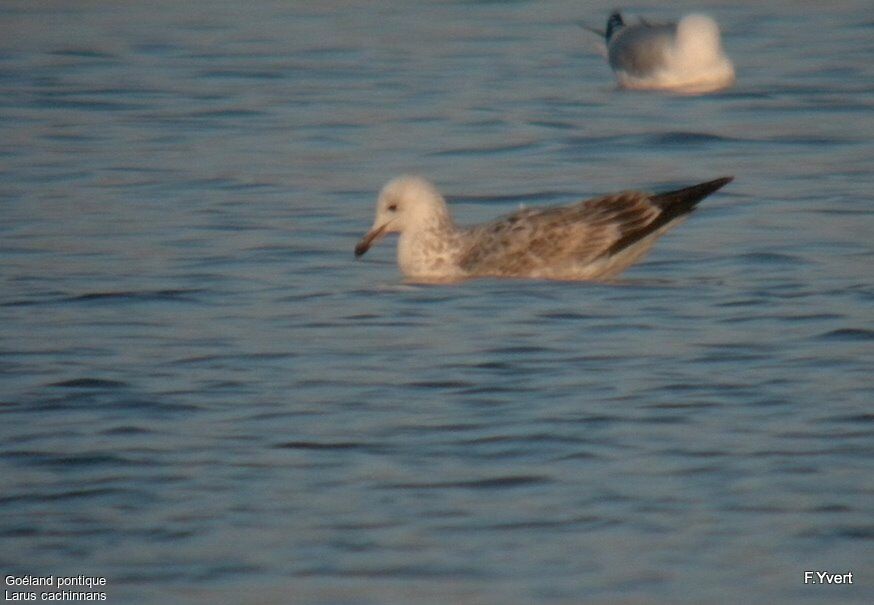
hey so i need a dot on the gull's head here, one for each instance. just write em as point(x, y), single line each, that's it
point(405, 203)
point(698, 39)
point(698, 57)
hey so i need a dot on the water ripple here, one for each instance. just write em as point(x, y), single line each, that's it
point(507, 482)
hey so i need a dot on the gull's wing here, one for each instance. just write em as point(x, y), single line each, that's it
point(641, 49)
point(533, 239)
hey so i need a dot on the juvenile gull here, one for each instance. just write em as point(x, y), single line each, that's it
point(592, 239)
point(686, 56)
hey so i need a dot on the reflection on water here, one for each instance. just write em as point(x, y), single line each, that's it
point(206, 399)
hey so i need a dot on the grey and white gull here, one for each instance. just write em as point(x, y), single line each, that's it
point(594, 239)
point(685, 56)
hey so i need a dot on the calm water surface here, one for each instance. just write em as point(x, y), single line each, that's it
point(204, 399)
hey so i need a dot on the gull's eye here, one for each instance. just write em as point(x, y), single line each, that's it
point(392, 207)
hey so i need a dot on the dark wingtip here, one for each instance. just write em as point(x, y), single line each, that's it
point(614, 23)
point(682, 201)
point(673, 204)
point(720, 182)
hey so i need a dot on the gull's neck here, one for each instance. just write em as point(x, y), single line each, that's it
point(429, 247)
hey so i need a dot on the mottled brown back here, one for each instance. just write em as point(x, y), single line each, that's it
point(532, 239)
point(548, 239)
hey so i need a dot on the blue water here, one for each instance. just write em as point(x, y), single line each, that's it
point(205, 399)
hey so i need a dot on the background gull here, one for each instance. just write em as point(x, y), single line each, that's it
point(589, 240)
point(686, 56)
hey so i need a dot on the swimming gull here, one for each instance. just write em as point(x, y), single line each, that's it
point(590, 240)
point(685, 57)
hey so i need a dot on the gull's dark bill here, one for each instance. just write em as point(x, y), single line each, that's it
point(369, 239)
